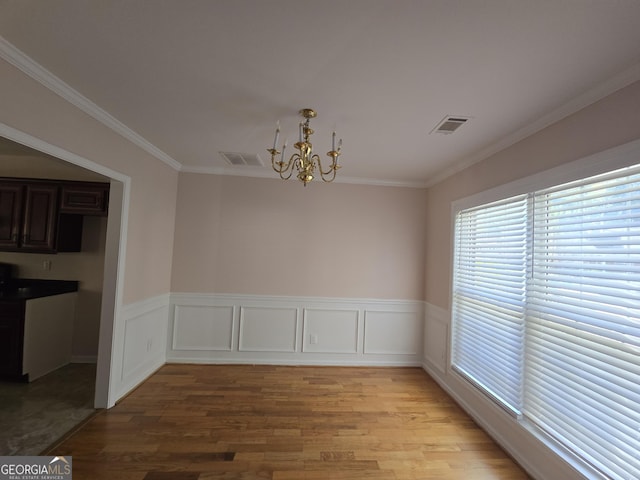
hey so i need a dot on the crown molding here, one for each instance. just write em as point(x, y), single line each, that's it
point(600, 91)
point(24, 63)
point(263, 172)
point(41, 75)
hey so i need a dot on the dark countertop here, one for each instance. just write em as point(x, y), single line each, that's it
point(28, 289)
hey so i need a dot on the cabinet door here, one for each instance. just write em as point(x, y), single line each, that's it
point(10, 214)
point(11, 338)
point(84, 198)
point(40, 215)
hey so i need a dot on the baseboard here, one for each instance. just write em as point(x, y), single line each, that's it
point(304, 362)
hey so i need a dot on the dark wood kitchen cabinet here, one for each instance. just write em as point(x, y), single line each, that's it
point(84, 198)
point(28, 216)
point(11, 335)
point(10, 214)
point(39, 226)
point(46, 216)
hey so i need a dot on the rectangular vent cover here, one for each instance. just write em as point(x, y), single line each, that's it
point(450, 124)
point(242, 159)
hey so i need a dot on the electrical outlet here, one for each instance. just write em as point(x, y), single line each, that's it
point(313, 339)
point(46, 265)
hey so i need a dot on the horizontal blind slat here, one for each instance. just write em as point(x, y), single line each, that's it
point(488, 296)
point(583, 334)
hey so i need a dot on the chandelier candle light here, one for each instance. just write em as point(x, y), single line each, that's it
point(304, 161)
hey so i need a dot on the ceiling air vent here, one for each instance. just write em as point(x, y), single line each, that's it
point(450, 124)
point(242, 159)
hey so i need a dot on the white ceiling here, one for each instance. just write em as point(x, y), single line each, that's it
point(196, 77)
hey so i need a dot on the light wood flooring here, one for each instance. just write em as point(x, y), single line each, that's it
point(204, 422)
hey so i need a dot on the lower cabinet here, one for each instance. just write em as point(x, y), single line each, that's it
point(36, 335)
point(11, 335)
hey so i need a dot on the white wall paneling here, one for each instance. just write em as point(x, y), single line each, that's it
point(330, 331)
point(436, 337)
point(268, 329)
point(219, 328)
point(142, 334)
point(392, 332)
point(203, 327)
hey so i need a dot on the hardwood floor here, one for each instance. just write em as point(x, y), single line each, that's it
point(203, 422)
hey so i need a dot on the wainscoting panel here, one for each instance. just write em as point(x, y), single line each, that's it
point(392, 333)
point(142, 328)
point(294, 330)
point(268, 329)
point(436, 341)
point(330, 331)
point(203, 327)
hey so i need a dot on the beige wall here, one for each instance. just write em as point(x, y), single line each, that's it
point(33, 109)
point(610, 122)
point(241, 235)
point(43, 166)
point(270, 237)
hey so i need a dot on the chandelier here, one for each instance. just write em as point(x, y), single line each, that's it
point(304, 161)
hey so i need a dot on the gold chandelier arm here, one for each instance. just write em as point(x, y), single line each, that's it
point(332, 168)
point(281, 166)
point(326, 178)
point(285, 177)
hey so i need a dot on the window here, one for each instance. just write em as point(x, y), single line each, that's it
point(546, 313)
point(489, 297)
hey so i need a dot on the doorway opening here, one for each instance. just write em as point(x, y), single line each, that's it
point(47, 161)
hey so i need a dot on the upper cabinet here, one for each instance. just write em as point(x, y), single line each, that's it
point(10, 214)
point(84, 198)
point(39, 224)
point(47, 216)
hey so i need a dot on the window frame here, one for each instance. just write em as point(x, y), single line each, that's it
point(600, 163)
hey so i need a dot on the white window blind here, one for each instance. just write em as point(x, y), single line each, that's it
point(489, 302)
point(583, 325)
point(546, 313)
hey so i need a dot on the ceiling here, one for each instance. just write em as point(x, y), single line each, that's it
point(188, 79)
